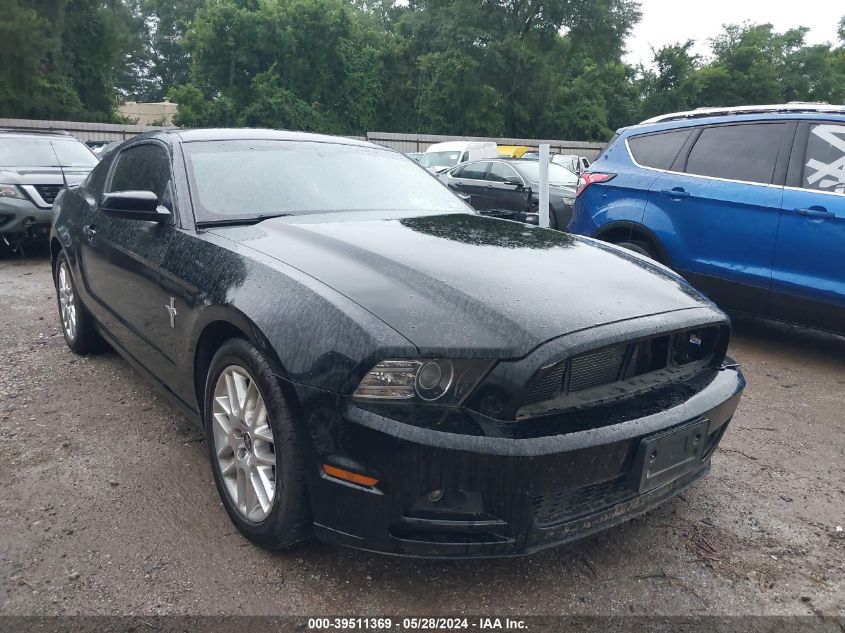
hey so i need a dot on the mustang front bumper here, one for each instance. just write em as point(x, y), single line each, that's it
point(445, 494)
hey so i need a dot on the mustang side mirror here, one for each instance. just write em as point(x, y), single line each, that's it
point(134, 205)
point(516, 182)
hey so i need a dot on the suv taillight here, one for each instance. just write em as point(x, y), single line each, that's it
point(588, 178)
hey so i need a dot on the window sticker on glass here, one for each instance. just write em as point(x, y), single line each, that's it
point(825, 167)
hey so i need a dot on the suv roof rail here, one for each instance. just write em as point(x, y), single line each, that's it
point(792, 106)
point(24, 130)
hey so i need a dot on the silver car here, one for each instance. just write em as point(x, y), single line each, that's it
point(33, 169)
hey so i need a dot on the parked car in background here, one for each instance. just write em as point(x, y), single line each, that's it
point(512, 151)
point(415, 156)
point(748, 203)
point(33, 168)
point(575, 164)
point(105, 148)
point(95, 145)
point(381, 366)
point(442, 156)
point(509, 189)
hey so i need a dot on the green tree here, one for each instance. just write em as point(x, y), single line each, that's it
point(163, 62)
point(674, 84)
point(313, 63)
point(61, 57)
point(748, 64)
point(30, 84)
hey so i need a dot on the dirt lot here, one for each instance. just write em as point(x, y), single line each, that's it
point(107, 504)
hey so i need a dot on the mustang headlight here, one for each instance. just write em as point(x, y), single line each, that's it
point(442, 381)
point(11, 191)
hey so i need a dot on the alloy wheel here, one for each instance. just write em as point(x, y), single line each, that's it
point(243, 443)
point(67, 307)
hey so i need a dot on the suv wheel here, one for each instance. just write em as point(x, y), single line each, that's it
point(640, 248)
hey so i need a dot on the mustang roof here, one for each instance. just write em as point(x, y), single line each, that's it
point(253, 134)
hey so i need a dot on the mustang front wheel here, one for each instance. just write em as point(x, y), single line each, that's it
point(253, 448)
point(243, 443)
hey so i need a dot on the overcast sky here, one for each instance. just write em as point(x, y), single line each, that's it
point(670, 21)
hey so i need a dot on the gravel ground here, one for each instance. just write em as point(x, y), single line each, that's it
point(107, 505)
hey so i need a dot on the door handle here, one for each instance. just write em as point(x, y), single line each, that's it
point(90, 231)
point(675, 193)
point(815, 212)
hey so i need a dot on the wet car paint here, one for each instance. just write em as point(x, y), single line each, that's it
point(325, 298)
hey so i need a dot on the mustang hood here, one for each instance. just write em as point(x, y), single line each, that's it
point(462, 282)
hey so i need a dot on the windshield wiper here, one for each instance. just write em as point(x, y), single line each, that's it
point(244, 221)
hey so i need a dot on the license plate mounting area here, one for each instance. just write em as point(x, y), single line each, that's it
point(666, 456)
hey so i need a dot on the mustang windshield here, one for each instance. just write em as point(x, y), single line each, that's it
point(249, 179)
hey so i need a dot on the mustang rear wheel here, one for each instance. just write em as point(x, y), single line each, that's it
point(77, 324)
point(252, 443)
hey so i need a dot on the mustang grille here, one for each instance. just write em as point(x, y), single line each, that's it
point(622, 362)
point(549, 384)
point(48, 193)
point(597, 368)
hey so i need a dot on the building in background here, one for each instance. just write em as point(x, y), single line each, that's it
point(159, 113)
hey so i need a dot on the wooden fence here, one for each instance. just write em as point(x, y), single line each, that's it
point(80, 129)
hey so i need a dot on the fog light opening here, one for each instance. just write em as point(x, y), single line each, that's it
point(436, 495)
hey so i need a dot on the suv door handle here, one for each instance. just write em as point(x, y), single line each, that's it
point(815, 212)
point(90, 231)
point(675, 193)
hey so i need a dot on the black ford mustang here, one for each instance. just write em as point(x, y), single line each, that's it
point(377, 364)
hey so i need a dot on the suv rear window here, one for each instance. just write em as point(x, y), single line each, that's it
point(28, 151)
point(737, 152)
point(824, 165)
point(658, 150)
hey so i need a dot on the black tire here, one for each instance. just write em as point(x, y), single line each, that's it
point(641, 248)
point(83, 337)
point(288, 521)
point(559, 218)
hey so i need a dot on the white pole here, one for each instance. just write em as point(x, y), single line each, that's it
point(544, 185)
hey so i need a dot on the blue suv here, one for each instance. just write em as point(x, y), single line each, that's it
point(747, 203)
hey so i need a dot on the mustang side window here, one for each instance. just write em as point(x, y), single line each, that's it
point(143, 168)
point(96, 180)
point(824, 163)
